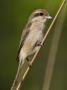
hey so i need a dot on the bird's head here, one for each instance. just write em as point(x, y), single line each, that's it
point(40, 15)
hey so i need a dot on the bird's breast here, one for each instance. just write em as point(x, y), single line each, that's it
point(33, 36)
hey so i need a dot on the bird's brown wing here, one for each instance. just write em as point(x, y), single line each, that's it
point(24, 34)
point(23, 37)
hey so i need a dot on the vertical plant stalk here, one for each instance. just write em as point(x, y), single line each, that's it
point(26, 72)
point(53, 51)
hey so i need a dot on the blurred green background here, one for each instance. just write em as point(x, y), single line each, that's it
point(13, 17)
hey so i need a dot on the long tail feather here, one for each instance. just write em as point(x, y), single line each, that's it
point(18, 78)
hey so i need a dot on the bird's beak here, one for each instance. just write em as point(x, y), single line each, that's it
point(48, 17)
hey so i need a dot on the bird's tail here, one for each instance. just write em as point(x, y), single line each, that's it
point(18, 78)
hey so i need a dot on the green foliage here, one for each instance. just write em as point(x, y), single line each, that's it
point(13, 17)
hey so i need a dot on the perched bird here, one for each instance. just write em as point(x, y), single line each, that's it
point(32, 34)
point(31, 38)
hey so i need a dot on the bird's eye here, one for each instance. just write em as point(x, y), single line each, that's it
point(41, 14)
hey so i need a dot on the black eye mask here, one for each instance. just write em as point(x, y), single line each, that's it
point(38, 14)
